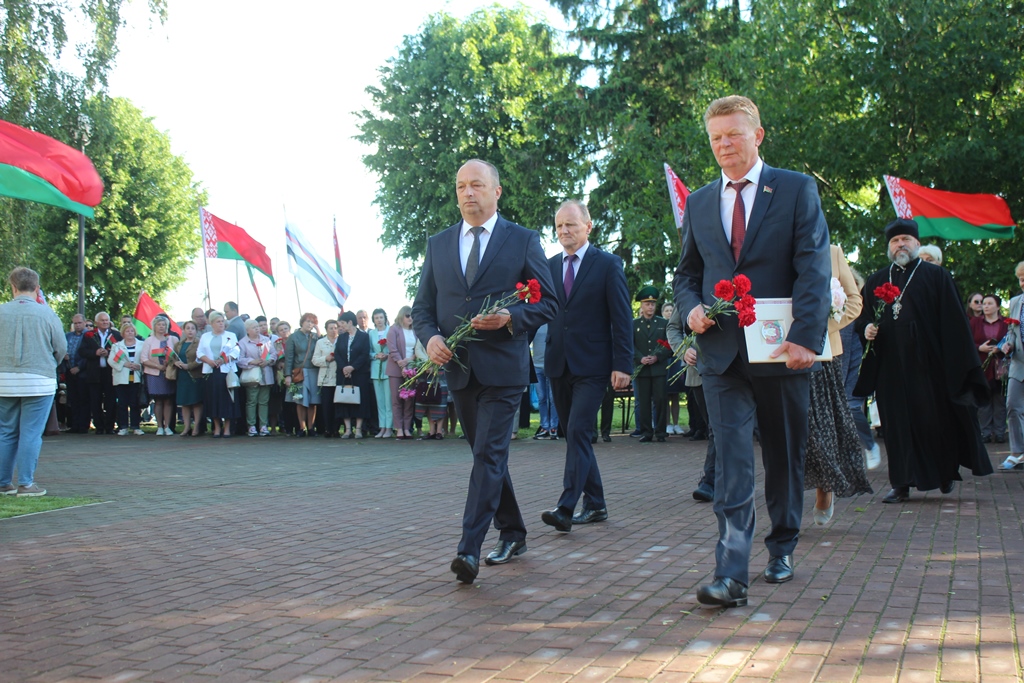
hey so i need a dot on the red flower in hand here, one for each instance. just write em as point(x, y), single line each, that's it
point(1012, 321)
point(530, 292)
point(887, 292)
point(747, 316)
point(662, 342)
point(725, 290)
point(382, 342)
point(742, 283)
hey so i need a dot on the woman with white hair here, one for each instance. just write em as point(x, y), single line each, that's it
point(218, 349)
point(155, 356)
point(931, 254)
point(256, 358)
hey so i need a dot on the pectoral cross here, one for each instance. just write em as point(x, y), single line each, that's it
point(896, 308)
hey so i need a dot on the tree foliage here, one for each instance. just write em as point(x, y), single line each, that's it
point(145, 233)
point(497, 87)
point(928, 90)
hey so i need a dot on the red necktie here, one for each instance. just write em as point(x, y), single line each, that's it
point(570, 276)
point(739, 219)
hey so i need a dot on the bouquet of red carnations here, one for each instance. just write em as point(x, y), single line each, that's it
point(886, 293)
point(464, 333)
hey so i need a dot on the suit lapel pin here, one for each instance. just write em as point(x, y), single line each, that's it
point(767, 190)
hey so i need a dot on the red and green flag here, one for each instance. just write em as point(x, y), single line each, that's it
point(226, 240)
point(145, 311)
point(40, 169)
point(951, 215)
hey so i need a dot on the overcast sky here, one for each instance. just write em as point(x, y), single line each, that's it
point(258, 98)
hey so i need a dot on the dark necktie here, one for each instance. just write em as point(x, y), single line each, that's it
point(739, 219)
point(570, 276)
point(473, 263)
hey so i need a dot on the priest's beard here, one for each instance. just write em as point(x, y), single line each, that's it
point(903, 255)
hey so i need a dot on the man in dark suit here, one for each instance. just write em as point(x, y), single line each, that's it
point(589, 343)
point(483, 257)
point(95, 349)
point(767, 224)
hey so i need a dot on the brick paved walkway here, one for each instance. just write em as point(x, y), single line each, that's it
point(307, 560)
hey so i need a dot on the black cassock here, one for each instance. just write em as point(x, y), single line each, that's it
point(924, 370)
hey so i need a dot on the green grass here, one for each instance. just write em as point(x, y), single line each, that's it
point(13, 506)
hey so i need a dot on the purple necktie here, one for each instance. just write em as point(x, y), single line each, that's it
point(570, 276)
point(739, 219)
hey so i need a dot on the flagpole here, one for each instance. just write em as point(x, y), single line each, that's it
point(236, 282)
point(206, 268)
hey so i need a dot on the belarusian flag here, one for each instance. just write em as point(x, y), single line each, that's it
point(678, 193)
point(224, 240)
point(951, 215)
point(40, 169)
point(145, 311)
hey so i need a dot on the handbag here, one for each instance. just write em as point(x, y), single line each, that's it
point(347, 394)
point(297, 374)
point(171, 372)
point(251, 377)
point(232, 381)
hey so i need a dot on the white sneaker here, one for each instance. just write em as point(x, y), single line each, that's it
point(122, 432)
point(873, 457)
point(139, 432)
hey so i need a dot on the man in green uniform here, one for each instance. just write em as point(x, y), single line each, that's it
point(651, 360)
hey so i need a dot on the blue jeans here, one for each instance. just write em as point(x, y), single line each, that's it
point(545, 403)
point(22, 421)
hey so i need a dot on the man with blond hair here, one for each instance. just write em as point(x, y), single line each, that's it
point(764, 223)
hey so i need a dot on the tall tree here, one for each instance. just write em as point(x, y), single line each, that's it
point(496, 86)
point(145, 233)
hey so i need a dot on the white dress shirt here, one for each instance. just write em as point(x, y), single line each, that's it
point(466, 243)
point(727, 198)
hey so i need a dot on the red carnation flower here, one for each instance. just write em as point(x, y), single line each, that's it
point(887, 292)
point(382, 342)
point(534, 291)
point(1012, 321)
point(747, 316)
point(725, 290)
point(746, 302)
point(530, 292)
point(742, 283)
point(662, 342)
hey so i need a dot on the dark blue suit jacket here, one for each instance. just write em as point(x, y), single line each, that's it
point(785, 254)
point(444, 299)
point(592, 332)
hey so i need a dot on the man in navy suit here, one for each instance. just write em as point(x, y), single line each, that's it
point(767, 224)
point(590, 342)
point(483, 257)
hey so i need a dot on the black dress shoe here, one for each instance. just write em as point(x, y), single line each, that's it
point(558, 518)
point(779, 569)
point(900, 495)
point(505, 551)
point(465, 567)
point(590, 516)
point(660, 439)
point(947, 487)
point(646, 439)
point(705, 492)
point(723, 592)
point(607, 438)
point(699, 435)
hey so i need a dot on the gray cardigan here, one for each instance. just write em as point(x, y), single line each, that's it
point(31, 337)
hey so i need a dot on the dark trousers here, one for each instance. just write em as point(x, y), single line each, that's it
point(102, 402)
point(327, 412)
point(78, 403)
point(577, 400)
point(607, 410)
point(697, 417)
point(129, 408)
point(701, 404)
point(486, 414)
point(780, 406)
point(648, 390)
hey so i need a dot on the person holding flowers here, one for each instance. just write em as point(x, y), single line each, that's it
point(401, 345)
point(766, 224)
point(218, 350)
point(923, 368)
point(378, 372)
point(256, 359)
point(157, 353)
point(484, 287)
point(1015, 380)
point(127, 379)
point(95, 349)
point(327, 378)
point(189, 387)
